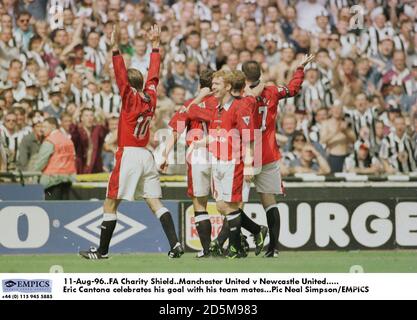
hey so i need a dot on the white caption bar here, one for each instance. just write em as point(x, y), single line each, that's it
point(207, 286)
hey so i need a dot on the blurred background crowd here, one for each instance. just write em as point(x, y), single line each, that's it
point(357, 108)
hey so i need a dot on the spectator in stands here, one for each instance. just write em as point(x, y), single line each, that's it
point(110, 144)
point(411, 84)
point(56, 160)
point(379, 136)
point(346, 82)
point(399, 70)
point(8, 51)
point(23, 33)
point(55, 107)
point(11, 138)
point(140, 59)
point(35, 57)
point(21, 121)
point(311, 161)
point(399, 96)
point(88, 139)
point(338, 138)
point(361, 161)
point(66, 121)
point(106, 99)
point(397, 151)
point(178, 96)
point(320, 116)
point(31, 143)
point(297, 143)
point(288, 127)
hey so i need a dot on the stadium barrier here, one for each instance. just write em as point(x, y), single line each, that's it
point(35, 227)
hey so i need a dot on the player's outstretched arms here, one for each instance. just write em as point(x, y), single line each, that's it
point(119, 66)
point(295, 83)
point(152, 80)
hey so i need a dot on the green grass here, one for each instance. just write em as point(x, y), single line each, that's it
point(306, 261)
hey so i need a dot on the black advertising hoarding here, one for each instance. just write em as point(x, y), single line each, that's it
point(334, 224)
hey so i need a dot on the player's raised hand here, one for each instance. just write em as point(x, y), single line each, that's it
point(114, 40)
point(154, 36)
point(307, 59)
point(204, 92)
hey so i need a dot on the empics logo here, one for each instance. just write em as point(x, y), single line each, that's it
point(88, 227)
point(10, 283)
point(27, 285)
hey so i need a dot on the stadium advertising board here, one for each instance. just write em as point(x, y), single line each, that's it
point(330, 225)
point(17, 192)
point(65, 227)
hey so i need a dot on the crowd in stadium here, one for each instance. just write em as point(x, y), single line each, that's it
point(357, 108)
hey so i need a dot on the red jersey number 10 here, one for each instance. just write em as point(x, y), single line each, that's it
point(142, 126)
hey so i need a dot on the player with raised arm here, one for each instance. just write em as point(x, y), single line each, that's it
point(198, 159)
point(135, 174)
point(268, 181)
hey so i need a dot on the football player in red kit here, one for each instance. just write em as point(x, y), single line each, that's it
point(135, 174)
point(268, 180)
point(198, 159)
point(230, 136)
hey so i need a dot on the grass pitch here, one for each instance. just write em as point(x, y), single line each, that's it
point(307, 261)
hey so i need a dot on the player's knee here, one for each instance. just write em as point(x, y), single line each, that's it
point(154, 204)
point(268, 199)
point(200, 203)
point(221, 208)
point(110, 205)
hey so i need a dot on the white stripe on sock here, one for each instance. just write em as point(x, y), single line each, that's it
point(232, 216)
point(202, 217)
point(109, 216)
point(160, 212)
point(271, 206)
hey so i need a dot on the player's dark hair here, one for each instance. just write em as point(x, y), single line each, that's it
point(252, 70)
point(239, 81)
point(53, 121)
point(206, 78)
point(135, 78)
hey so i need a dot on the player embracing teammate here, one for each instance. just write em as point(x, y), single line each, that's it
point(267, 179)
point(135, 174)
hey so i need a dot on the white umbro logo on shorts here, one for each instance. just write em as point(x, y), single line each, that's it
point(152, 87)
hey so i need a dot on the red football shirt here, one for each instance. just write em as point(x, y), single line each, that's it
point(266, 112)
point(136, 112)
point(232, 125)
point(196, 120)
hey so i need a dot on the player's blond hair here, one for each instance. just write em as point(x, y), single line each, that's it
point(227, 76)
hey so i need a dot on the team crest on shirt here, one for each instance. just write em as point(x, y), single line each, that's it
point(246, 120)
point(202, 105)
